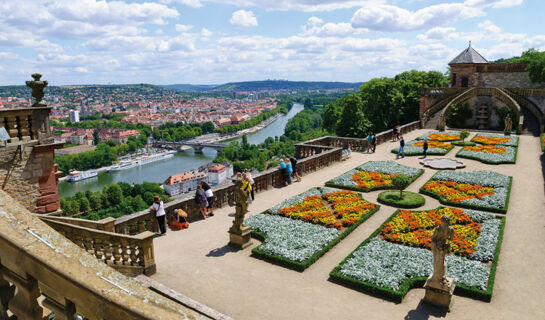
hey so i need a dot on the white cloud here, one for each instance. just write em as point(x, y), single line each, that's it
point(189, 3)
point(183, 27)
point(243, 18)
point(301, 5)
point(206, 34)
point(315, 26)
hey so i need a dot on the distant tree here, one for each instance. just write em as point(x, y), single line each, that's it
point(308, 103)
point(96, 138)
point(95, 200)
point(400, 182)
point(208, 127)
point(353, 122)
point(114, 194)
point(84, 205)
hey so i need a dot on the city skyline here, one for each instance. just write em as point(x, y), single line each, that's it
point(220, 41)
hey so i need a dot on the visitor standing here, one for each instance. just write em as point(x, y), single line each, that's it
point(159, 208)
point(284, 170)
point(394, 134)
point(425, 147)
point(401, 147)
point(289, 169)
point(248, 177)
point(369, 142)
point(209, 197)
point(374, 142)
point(200, 198)
point(293, 161)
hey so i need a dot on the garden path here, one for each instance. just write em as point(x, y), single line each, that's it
point(198, 263)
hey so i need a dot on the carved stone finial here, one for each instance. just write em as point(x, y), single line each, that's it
point(37, 89)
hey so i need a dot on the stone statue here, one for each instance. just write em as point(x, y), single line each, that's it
point(508, 124)
point(439, 248)
point(241, 207)
point(37, 89)
point(441, 125)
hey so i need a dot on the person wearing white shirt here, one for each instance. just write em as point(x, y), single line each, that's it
point(159, 208)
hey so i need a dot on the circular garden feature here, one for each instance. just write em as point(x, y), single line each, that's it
point(407, 200)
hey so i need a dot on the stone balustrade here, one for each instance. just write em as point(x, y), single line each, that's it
point(130, 255)
point(43, 272)
point(106, 224)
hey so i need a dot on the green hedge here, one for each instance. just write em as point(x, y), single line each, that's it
point(458, 155)
point(463, 143)
point(340, 186)
point(418, 282)
point(419, 153)
point(410, 199)
point(301, 266)
point(470, 206)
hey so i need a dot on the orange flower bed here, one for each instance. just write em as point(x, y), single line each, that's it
point(444, 137)
point(433, 144)
point(415, 228)
point(372, 179)
point(348, 206)
point(490, 140)
point(489, 148)
point(457, 192)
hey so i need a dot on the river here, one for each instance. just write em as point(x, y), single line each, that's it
point(182, 161)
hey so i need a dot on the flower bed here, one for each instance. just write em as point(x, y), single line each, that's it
point(373, 175)
point(477, 190)
point(416, 147)
point(441, 136)
point(385, 267)
point(301, 229)
point(497, 139)
point(489, 153)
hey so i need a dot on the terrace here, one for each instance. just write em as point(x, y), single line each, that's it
point(199, 263)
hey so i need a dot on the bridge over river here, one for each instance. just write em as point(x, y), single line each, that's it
point(197, 146)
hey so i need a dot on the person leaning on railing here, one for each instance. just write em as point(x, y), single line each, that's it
point(159, 208)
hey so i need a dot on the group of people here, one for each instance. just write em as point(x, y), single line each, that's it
point(288, 166)
point(371, 142)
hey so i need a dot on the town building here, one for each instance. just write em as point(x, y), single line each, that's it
point(183, 182)
point(219, 173)
point(74, 116)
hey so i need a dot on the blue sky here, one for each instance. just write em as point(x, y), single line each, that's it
point(218, 41)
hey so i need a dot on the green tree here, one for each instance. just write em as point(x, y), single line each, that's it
point(96, 138)
point(464, 134)
point(353, 122)
point(95, 200)
point(208, 127)
point(114, 194)
point(84, 205)
point(400, 182)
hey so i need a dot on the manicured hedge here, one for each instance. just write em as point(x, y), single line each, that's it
point(469, 206)
point(410, 199)
point(301, 266)
point(418, 282)
point(463, 143)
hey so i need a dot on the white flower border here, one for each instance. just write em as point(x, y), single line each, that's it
point(508, 156)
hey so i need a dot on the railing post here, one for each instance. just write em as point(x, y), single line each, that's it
point(146, 253)
point(24, 304)
point(6, 294)
point(107, 224)
point(63, 308)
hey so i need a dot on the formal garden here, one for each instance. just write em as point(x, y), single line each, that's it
point(397, 256)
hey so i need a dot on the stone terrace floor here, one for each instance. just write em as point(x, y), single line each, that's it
point(198, 263)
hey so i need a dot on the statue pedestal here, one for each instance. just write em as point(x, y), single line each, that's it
point(240, 239)
point(439, 294)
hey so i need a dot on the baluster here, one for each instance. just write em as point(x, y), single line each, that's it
point(133, 256)
point(31, 128)
point(11, 127)
point(108, 252)
point(144, 224)
point(6, 294)
point(63, 308)
point(24, 305)
point(126, 254)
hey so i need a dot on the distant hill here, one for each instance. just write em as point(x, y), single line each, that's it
point(189, 87)
point(285, 85)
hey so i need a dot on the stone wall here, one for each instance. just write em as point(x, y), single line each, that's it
point(28, 174)
point(506, 80)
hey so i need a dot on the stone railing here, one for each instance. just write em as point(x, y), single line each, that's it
point(106, 224)
point(43, 272)
point(130, 255)
point(27, 124)
point(224, 195)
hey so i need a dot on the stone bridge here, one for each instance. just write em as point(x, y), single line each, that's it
point(197, 146)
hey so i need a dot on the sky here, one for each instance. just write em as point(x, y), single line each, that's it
point(219, 41)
